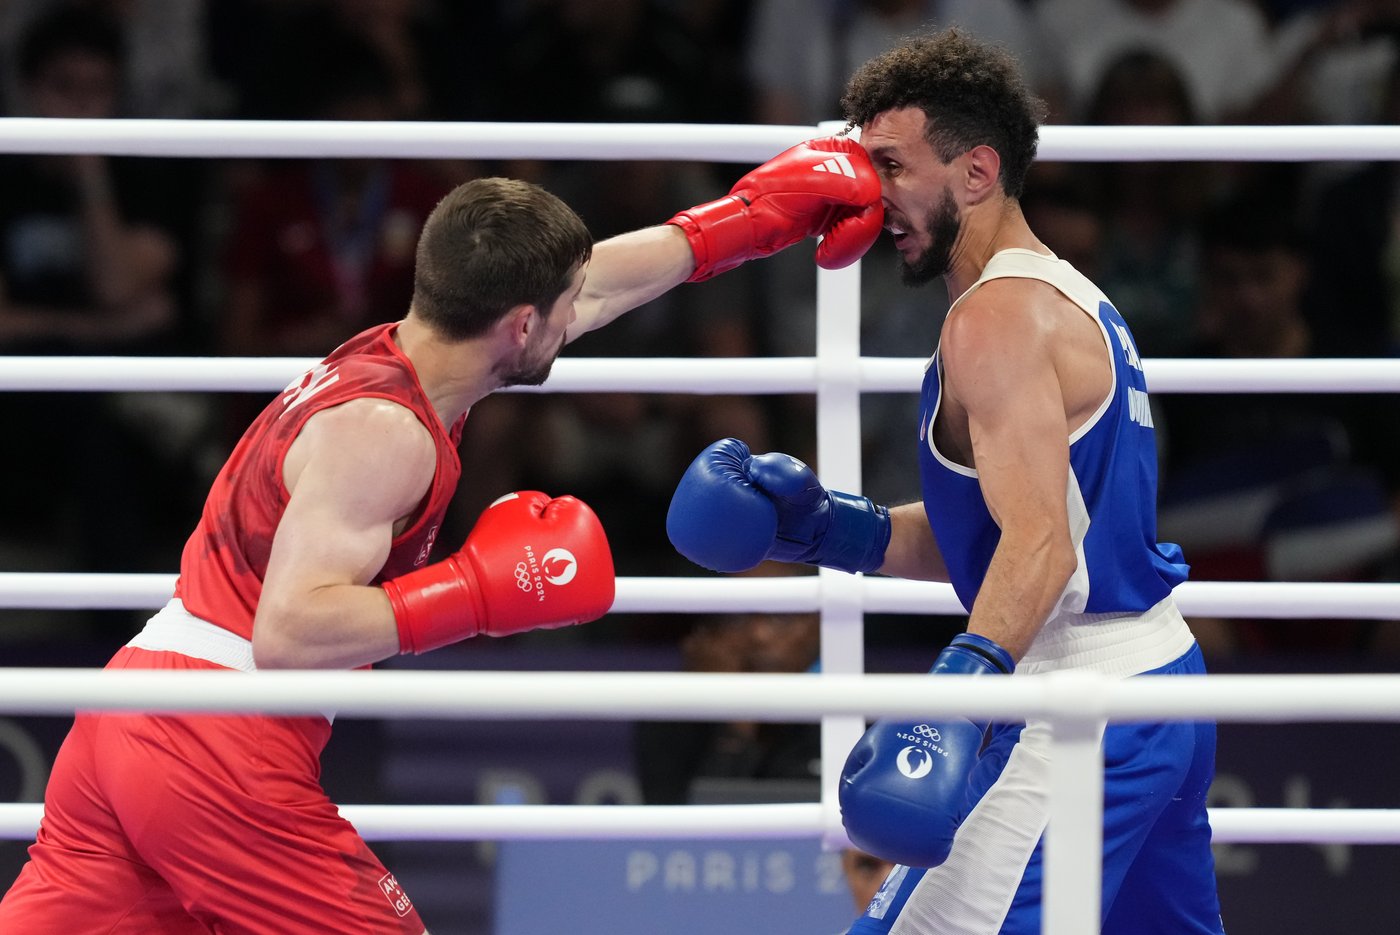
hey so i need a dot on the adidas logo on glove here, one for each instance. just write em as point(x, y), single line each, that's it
point(838, 165)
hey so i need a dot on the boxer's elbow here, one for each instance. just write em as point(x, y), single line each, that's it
point(1062, 559)
point(1041, 552)
point(280, 638)
point(274, 643)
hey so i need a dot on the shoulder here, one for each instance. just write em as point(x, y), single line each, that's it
point(370, 458)
point(370, 438)
point(1005, 340)
point(1010, 312)
point(370, 422)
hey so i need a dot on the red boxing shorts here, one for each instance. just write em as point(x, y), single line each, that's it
point(198, 824)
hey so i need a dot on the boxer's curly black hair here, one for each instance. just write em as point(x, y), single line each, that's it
point(972, 94)
point(490, 245)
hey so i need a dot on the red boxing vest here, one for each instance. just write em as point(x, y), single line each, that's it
point(225, 560)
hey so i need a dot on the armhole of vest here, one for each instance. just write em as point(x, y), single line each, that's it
point(1097, 319)
point(961, 470)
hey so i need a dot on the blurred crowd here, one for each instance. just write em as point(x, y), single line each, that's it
point(129, 256)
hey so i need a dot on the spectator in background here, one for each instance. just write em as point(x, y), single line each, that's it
point(1233, 66)
point(420, 44)
point(864, 874)
point(443, 58)
point(1336, 56)
point(579, 60)
point(322, 249)
point(1269, 486)
point(1221, 48)
point(1354, 308)
point(1149, 208)
point(800, 53)
point(165, 69)
point(85, 266)
point(89, 261)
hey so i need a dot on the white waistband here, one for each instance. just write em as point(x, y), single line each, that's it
point(1113, 644)
point(174, 629)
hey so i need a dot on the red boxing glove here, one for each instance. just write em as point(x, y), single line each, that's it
point(824, 187)
point(531, 562)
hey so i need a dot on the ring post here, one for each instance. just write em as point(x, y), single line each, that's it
point(838, 463)
point(1074, 836)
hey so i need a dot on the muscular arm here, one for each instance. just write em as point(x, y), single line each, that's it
point(352, 473)
point(630, 270)
point(771, 208)
point(999, 365)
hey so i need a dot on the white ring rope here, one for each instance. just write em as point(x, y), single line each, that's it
point(20, 821)
point(739, 143)
point(781, 698)
point(226, 139)
point(699, 696)
point(684, 375)
point(1242, 599)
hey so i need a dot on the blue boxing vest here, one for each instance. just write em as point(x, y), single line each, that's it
point(1112, 491)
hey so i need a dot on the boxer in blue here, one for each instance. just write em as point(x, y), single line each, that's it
point(1038, 463)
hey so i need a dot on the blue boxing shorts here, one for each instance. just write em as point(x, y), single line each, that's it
point(1158, 870)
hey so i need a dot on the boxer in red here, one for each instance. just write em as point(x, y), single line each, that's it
point(312, 553)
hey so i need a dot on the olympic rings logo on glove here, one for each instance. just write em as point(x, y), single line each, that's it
point(522, 577)
point(929, 733)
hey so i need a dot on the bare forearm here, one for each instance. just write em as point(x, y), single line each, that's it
point(913, 551)
point(1022, 586)
point(341, 626)
point(630, 270)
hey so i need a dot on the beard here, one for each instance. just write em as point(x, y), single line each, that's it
point(942, 226)
point(528, 372)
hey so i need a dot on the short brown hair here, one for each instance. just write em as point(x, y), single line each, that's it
point(971, 93)
point(492, 244)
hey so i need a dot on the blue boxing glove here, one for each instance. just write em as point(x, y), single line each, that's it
point(733, 510)
point(904, 787)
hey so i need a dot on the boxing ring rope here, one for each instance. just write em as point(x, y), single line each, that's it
point(841, 697)
point(20, 821)
point(1281, 600)
point(681, 375)
point(670, 696)
point(731, 143)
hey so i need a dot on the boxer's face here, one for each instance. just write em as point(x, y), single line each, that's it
point(941, 225)
point(547, 339)
point(921, 210)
